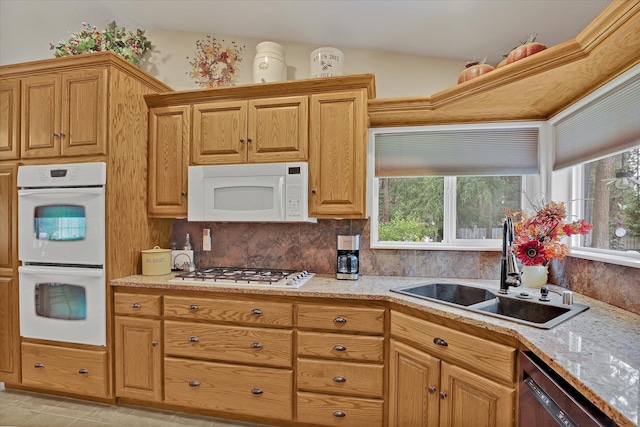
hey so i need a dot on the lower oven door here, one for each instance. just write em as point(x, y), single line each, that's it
point(63, 304)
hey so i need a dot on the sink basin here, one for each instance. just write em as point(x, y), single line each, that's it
point(544, 315)
point(453, 293)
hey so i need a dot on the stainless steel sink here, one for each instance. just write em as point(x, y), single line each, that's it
point(453, 293)
point(519, 308)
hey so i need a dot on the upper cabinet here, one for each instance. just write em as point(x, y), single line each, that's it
point(64, 114)
point(259, 130)
point(322, 121)
point(9, 119)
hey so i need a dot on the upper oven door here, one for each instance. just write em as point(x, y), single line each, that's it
point(62, 225)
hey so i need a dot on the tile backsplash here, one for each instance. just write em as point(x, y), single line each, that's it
point(312, 247)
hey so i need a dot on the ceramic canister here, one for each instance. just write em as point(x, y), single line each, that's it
point(326, 62)
point(269, 64)
point(156, 261)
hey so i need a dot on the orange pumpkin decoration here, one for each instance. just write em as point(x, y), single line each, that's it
point(474, 69)
point(528, 48)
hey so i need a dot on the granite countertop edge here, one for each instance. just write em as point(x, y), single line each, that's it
point(575, 349)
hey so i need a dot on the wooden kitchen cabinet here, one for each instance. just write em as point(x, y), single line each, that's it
point(64, 114)
point(9, 119)
point(255, 131)
point(434, 378)
point(138, 355)
point(169, 137)
point(337, 155)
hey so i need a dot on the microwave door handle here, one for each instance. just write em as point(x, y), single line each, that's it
point(282, 199)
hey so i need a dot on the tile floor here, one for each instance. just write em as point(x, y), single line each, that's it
point(19, 408)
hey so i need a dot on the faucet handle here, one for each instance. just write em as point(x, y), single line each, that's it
point(544, 294)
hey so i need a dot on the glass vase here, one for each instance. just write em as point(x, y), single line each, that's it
point(534, 276)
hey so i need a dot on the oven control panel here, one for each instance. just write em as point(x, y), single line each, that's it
point(63, 175)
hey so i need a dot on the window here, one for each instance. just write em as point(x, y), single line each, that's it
point(445, 187)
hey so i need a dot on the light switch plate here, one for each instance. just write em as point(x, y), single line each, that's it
point(206, 239)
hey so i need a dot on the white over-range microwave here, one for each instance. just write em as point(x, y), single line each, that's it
point(261, 192)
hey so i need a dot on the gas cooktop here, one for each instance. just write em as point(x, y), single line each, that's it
point(241, 276)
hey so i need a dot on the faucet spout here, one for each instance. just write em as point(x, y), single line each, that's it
point(509, 272)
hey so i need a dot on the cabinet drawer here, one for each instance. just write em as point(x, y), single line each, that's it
point(326, 410)
point(349, 319)
point(71, 370)
point(260, 346)
point(142, 305)
point(249, 312)
point(341, 346)
point(484, 356)
point(264, 392)
point(338, 377)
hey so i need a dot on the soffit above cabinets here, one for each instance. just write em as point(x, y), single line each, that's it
point(534, 88)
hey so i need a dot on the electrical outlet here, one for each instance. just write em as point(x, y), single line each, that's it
point(206, 239)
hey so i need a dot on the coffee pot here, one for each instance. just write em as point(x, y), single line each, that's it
point(348, 248)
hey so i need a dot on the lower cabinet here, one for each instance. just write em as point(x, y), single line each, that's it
point(69, 370)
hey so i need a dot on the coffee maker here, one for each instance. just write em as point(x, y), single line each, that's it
point(348, 256)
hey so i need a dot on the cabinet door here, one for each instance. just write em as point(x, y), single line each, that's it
point(337, 155)
point(169, 134)
point(40, 116)
point(470, 399)
point(9, 331)
point(8, 219)
point(9, 119)
point(414, 378)
point(278, 129)
point(138, 358)
point(219, 133)
point(83, 130)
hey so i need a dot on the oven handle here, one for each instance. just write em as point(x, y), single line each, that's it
point(67, 271)
point(61, 190)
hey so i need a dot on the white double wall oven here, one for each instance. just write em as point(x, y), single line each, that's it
point(61, 243)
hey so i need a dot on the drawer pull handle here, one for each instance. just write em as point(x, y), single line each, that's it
point(135, 305)
point(339, 379)
point(443, 395)
point(432, 389)
point(339, 348)
point(256, 391)
point(339, 319)
point(194, 383)
point(256, 312)
point(339, 414)
point(83, 371)
point(38, 365)
point(440, 341)
point(193, 339)
point(154, 344)
point(256, 345)
point(193, 307)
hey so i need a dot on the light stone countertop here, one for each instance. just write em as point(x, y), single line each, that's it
point(597, 351)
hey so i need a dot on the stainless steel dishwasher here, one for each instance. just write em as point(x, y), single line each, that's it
point(547, 400)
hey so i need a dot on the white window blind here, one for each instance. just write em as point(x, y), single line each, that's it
point(434, 151)
point(604, 126)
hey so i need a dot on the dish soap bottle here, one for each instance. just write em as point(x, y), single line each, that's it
point(187, 243)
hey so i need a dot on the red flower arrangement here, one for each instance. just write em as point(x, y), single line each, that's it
point(538, 237)
point(214, 65)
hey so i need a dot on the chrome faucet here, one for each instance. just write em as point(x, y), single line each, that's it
point(509, 273)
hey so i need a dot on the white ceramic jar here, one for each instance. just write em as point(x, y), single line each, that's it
point(269, 64)
point(326, 62)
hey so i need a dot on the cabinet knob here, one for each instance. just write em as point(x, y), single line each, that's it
point(55, 134)
point(339, 319)
point(249, 140)
point(194, 383)
point(154, 344)
point(339, 414)
point(440, 341)
point(135, 305)
point(184, 193)
point(83, 371)
point(61, 134)
point(38, 365)
point(241, 140)
point(339, 379)
point(443, 395)
point(193, 307)
point(314, 191)
point(256, 345)
point(432, 389)
point(193, 339)
point(256, 312)
point(339, 348)
point(256, 391)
